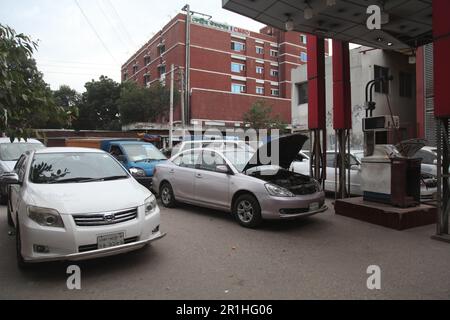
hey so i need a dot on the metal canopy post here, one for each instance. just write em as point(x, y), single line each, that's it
point(342, 116)
point(441, 35)
point(316, 107)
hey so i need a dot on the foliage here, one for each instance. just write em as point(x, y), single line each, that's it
point(140, 104)
point(68, 101)
point(98, 109)
point(260, 117)
point(25, 99)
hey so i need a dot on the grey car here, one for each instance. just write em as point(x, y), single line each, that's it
point(241, 182)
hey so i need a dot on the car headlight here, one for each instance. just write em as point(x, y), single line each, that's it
point(150, 205)
point(278, 191)
point(45, 217)
point(137, 172)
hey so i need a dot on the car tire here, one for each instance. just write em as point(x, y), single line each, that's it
point(167, 196)
point(8, 213)
point(20, 261)
point(247, 211)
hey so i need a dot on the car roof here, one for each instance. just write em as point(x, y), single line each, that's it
point(7, 140)
point(68, 150)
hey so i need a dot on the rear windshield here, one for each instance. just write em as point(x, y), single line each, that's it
point(13, 151)
point(74, 167)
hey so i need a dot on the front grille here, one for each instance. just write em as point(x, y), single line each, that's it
point(294, 211)
point(91, 220)
point(303, 189)
point(92, 247)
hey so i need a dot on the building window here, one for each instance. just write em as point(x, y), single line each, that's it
point(161, 49)
point(302, 92)
point(304, 57)
point(238, 88)
point(237, 67)
point(147, 60)
point(135, 68)
point(274, 73)
point(275, 92)
point(162, 70)
point(125, 76)
point(237, 46)
point(381, 73)
point(406, 85)
point(146, 79)
point(259, 70)
point(274, 53)
point(259, 50)
point(303, 39)
point(259, 90)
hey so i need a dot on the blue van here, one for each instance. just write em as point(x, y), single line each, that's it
point(140, 158)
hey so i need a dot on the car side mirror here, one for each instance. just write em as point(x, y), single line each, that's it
point(355, 167)
point(221, 168)
point(10, 178)
point(435, 161)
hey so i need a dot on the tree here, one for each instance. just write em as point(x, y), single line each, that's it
point(26, 100)
point(140, 104)
point(68, 100)
point(260, 117)
point(98, 109)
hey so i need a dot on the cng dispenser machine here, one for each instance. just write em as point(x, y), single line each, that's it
point(389, 174)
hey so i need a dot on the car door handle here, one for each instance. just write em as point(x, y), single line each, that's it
point(198, 175)
point(172, 171)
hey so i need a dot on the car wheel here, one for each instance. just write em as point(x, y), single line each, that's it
point(167, 196)
point(247, 211)
point(8, 213)
point(20, 261)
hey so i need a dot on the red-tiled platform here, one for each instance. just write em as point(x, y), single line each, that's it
point(385, 215)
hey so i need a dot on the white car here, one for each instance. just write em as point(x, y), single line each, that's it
point(10, 153)
point(75, 204)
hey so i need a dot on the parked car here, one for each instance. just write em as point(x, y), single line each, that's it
point(9, 154)
point(428, 183)
point(211, 144)
point(238, 181)
point(136, 156)
point(74, 204)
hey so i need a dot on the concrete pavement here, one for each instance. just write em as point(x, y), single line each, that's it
point(206, 255)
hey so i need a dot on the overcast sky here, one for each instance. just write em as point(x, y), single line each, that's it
point(69, 50)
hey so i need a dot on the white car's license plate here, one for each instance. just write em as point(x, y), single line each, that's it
point(314, 206)
point(110, 240)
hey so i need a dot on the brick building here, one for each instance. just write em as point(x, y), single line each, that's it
point(230, 68)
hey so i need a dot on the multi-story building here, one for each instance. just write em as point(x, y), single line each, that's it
point(229, 68)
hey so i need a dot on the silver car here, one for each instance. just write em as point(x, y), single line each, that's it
point(240, 182)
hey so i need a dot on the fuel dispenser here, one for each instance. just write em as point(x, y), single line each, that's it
point(389, 173)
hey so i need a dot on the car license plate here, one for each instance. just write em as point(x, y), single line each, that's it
point(314, 206)
point(110, 240)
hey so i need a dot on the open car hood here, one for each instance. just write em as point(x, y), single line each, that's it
point(285, 150)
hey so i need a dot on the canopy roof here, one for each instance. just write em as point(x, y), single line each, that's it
point(409, 26)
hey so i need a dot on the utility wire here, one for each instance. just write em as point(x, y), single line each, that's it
point(111, 24)
point(121, 23)
point(95, 31)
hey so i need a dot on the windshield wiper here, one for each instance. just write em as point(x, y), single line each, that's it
point(81, 179)
point(69, 180)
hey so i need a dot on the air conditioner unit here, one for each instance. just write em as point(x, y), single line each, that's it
point(381, 123)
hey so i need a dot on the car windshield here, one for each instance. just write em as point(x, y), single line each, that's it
point(238, 158)
point(75, 167)
point(143, 152)
point(13, 151)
